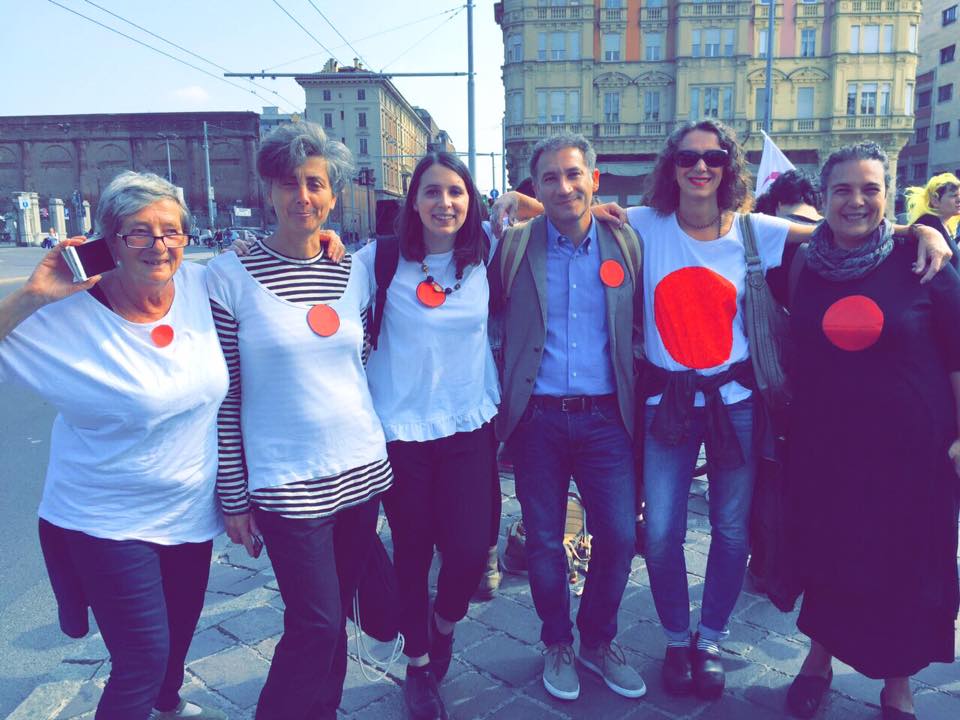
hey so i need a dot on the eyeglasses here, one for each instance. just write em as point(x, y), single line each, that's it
point(146, 240)
point(712, 158)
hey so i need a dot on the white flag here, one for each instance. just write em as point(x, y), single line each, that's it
point(772, 163)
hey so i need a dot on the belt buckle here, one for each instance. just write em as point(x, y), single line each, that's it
point(564, 406)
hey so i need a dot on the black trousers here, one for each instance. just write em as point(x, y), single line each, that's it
point(441, 496)
point(317, 562)
point(147, 599)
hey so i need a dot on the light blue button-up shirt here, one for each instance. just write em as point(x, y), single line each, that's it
point(576, 352)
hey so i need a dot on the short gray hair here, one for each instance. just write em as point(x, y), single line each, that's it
point(129, 193)
point(559, 142)
point(859, 151)
point(288, 147)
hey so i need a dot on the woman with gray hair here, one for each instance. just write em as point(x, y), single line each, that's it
point(303, 458)
point(130, 360)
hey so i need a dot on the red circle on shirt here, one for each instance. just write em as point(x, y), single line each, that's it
point(693, 308)
point(323, 320)
point(162, 335)
point(428, 294)
point(853, 323)
point(611, 273)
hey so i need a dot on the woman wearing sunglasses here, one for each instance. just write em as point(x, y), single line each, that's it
point(697, 379)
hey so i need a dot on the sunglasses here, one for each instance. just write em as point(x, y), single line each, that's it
point(712, 158)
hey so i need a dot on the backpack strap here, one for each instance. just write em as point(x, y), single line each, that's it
point(631, 247)
point(386, 259)
point(793, 274)
point(513, 247)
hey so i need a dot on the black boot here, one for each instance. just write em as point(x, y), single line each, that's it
point(708, 675)
point(677, 671)
point(421, 695)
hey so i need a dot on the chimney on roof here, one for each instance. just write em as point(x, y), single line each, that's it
point(330, 66)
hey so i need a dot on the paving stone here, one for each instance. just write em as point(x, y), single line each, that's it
point(638, 602)
point(88, 649)
point(390, 707)
point(696, 563)
point(237, 674)
point(849, 682)
point(46, 700)
point(779, 654)
point(358, 692)
point(471, 695)
point(837, 707)
point(195, 692)
point(658, 698)
point(645, 638)
point(933, 704)
point(469, 631)
point(732, 708)
point(523, 708)
point(943, 676)
point(222, 577)
point(255, 625)
point(743, 638)
point(208, 642)
point(267, 647)
point(84, 700)
point(507, 659)
point(511, 619)
point(769, 690)
point(756, 611)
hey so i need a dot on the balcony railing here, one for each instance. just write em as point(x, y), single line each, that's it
point(872, 7)
point(710, 10)
point(810, 10)
point(654, 14)
point(574, 12)
point(612, 14)
point(761, 10)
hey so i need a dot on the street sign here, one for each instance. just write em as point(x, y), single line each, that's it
point(494, 194)
point(24, 203)
point(241, 212)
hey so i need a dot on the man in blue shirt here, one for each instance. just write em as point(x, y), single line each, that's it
point(570, 327)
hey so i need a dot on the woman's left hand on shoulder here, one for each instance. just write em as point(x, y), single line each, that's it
point(933, 253)
point(335, 247)
point(610, 213)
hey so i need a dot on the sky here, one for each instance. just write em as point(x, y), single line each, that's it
point(58, 63)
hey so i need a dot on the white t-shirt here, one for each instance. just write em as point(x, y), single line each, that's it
point(432, 374)
point(693, 294)
point(133, 451)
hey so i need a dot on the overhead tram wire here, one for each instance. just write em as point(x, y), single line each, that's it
point(312, 36)
point(454, 9)
point(431, 32)
point(320, 12)
point(158, 50)
point(293, 106)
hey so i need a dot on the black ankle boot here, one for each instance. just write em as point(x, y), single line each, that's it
point(421, 695)
point(708, 675)
point(677, 671)
point(441, 650)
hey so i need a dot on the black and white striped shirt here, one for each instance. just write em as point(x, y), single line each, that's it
point(312, 281)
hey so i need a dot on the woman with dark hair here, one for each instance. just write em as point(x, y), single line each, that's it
point(792, 196)
point(434, 386)
point(873, 451)
point(302, 454)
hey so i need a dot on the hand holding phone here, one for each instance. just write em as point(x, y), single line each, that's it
point(91, 258)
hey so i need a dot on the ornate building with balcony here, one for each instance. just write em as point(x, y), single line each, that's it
point(625, 73)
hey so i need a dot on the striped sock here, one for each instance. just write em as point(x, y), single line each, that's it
point(706, 645)
point(679, 643)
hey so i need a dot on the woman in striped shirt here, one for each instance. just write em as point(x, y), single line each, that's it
point(302, 454)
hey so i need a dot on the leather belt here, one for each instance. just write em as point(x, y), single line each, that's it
point(574, 403)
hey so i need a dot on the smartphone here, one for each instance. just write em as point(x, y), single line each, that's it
point(257, 546)
point(91, 258)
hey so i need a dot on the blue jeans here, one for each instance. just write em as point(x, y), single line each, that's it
point(548, 447)
point(147, 599)
point(668, 472)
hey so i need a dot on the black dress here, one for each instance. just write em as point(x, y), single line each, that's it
point(874, 497)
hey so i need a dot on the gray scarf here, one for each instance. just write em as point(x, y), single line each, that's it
point(835, 263)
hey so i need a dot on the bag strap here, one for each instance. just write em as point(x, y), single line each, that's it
point(796, 267)
point(754, 265)
point(514, 245)
point(631, 247)
point(385, 261)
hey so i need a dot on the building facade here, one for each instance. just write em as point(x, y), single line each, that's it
point(935, 145)
point(625, 73)
point(57, 156)
point(271, 118)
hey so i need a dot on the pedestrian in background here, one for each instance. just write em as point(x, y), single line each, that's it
point(308, 463)
point(873, 448)
point(937, 205)
point(792, 196)
point(128, 516)
point(434, 387)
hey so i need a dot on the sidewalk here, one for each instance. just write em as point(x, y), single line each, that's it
point(497, 662)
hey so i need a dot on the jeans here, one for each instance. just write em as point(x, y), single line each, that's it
point(668, 473)
point(547, 447)
point(147, 599)
point(440, 496)
point(317, 562)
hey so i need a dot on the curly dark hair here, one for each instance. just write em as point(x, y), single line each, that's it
point(859, 151)
point(790, 188)
point(472, 245)
point(663, 193)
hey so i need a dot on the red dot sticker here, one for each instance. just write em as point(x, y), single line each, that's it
point(431, 294)
point(693, 309)
point(162, 335)
point(611, 273)
point(323, 320)
point(853, 323)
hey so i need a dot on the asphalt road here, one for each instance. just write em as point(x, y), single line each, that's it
point(31, 644)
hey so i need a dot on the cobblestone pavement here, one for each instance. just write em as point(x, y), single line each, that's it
point(497, 662)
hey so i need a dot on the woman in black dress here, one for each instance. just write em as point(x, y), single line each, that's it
point(937, 205)
point(873, 456)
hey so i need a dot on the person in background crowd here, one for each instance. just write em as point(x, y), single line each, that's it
point(128, 516)
point(937, 205)
point(434, 387)
point(569, 335)
point(791, 196)
point(308, 464)
point(50, 240)
point(873, 449)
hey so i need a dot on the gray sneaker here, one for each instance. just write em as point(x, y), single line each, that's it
point(559, 673)
point(609, 662)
